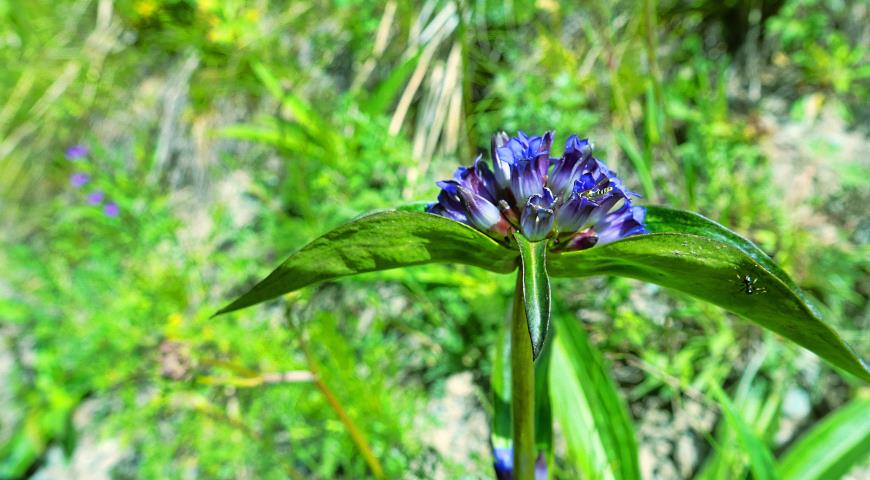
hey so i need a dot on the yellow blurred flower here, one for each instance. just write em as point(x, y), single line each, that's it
point(205, 5)
point(173, 325)
point(174, 319)
point(251, 14)
point(145, 8)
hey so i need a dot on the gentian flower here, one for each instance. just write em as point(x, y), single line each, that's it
point(111, 209)
point(76, 152)
point(95, 197)
point(78, 179)
point(574, 200)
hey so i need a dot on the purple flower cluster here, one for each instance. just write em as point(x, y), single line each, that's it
point(80, 179)
point(574, 200)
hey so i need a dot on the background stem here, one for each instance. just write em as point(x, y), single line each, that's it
point(353, 430)
point(522, 389)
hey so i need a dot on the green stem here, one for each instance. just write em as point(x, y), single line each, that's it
point(353, 430)
point(522, 389)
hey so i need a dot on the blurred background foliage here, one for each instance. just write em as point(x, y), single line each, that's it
point(229, 133)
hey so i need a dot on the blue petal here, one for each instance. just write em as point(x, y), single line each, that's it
point(481, 213)
point(624, 222)
point(487, 185)
point(449, 204)
point(503, 462)
point(541, 153)
point(567, 168)
point(526, 181)
point(575, 213)
point(501, 160)
point(537, 221)
point(580, 192)
point(518, 148)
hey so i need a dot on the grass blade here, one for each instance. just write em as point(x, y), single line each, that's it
point(832, 447)
point(760, 459)
point(594, 418)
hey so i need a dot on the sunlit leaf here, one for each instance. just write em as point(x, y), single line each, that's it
point(380, 241)
point(692, 254)
point(832, 447)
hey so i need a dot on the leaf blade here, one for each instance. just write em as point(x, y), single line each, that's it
point(832, 446)
point(664, 220)
point(594, 418)
point(761, 462)
point(704, 259)
point(383, 95)
point(536, 289)
point(380, 241)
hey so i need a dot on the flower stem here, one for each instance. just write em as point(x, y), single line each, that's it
point(522, 389)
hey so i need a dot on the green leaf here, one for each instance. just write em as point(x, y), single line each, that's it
point(666, 220)
point(594, 418)
point(302, 112)
point(832, 447)
point(760, 459)
point(285, 135)
point(382, 96)
point(640, 163)
point(20, 452)
point(380, 241)
point(692, 254)
point(272, 84)
point(536, 289)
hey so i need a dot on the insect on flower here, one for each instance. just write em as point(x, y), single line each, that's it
point(574, 200)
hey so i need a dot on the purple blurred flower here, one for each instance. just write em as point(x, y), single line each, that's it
point(504, 464)
point(79, 179)
point(575, 200)
point(95, 197)
point(111, 209)
point(76, 152)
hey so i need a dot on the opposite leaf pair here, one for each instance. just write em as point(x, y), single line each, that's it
point(681, 250)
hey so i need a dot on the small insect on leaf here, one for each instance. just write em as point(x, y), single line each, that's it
point(749, 285)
